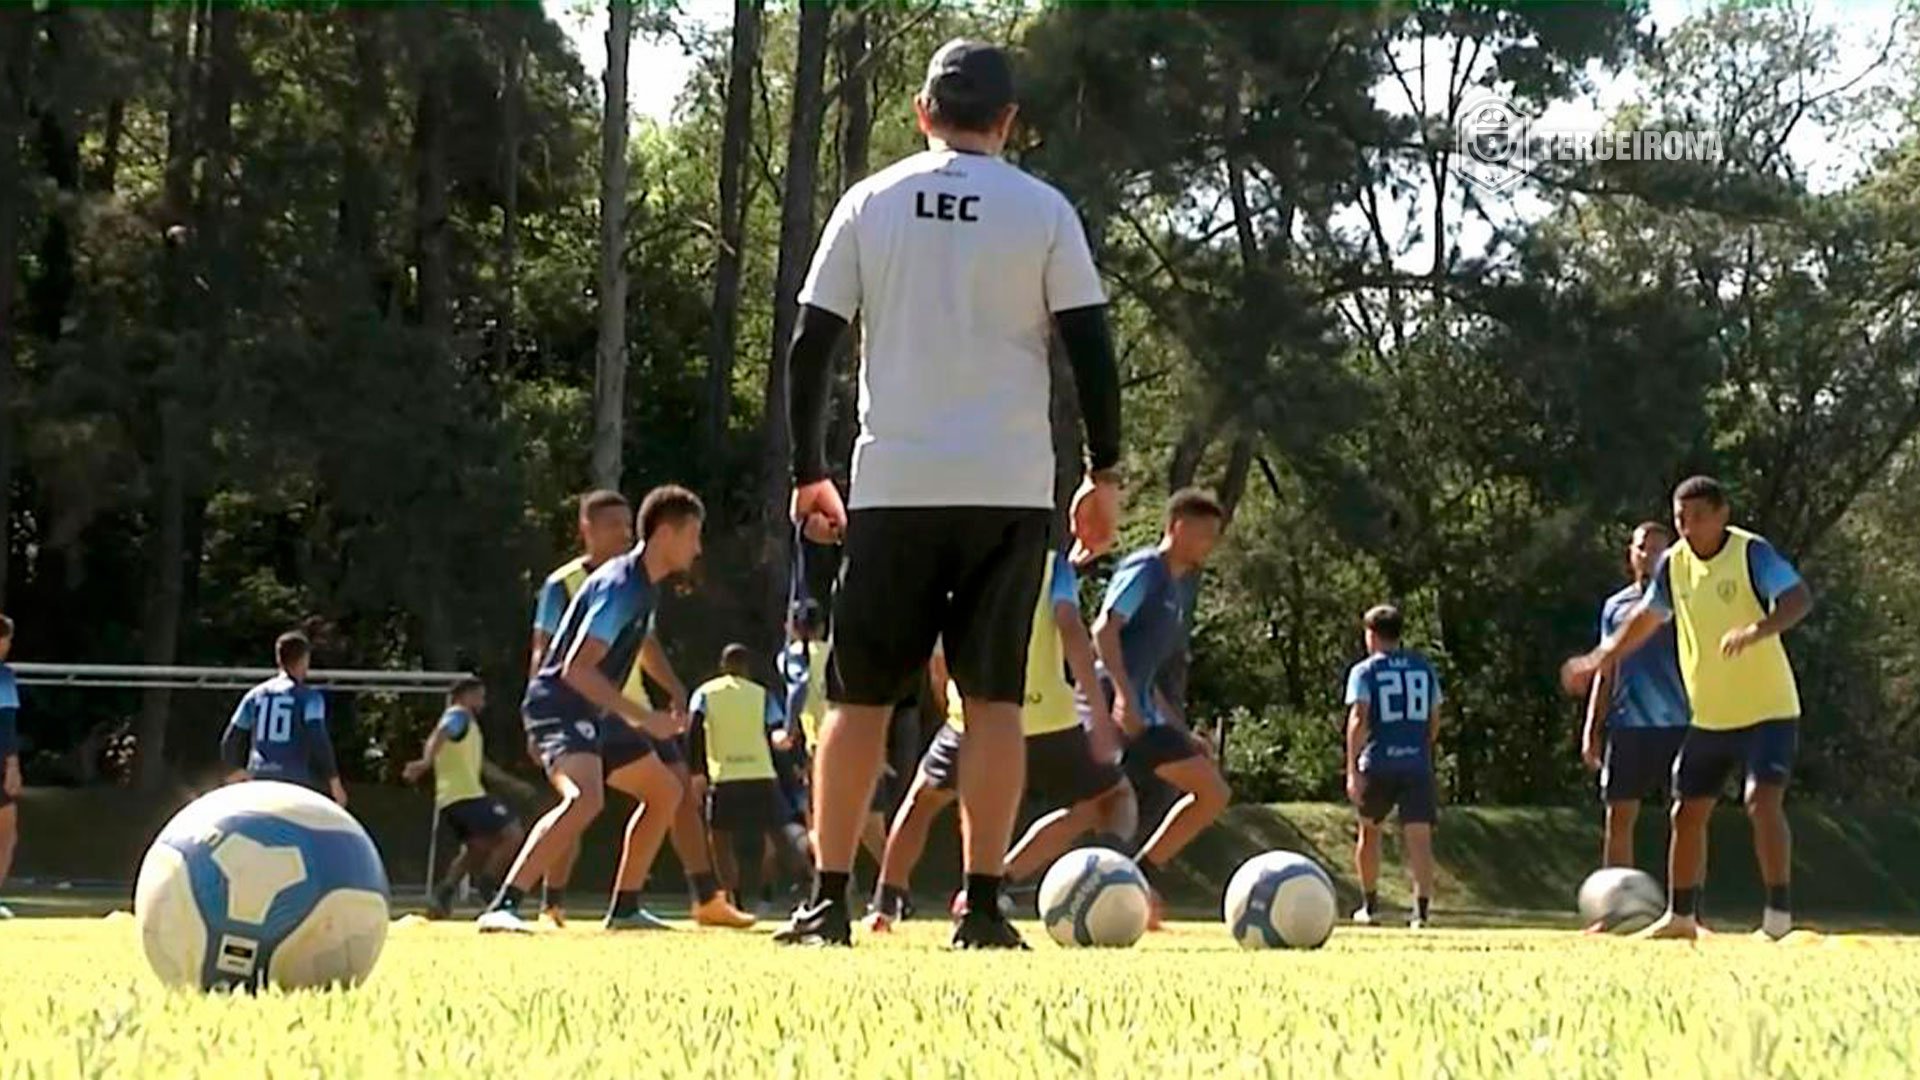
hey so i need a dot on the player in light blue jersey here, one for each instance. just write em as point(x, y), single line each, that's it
point(1393, 717)
point(9, 758)
point(279, 729)
point(1637, 710)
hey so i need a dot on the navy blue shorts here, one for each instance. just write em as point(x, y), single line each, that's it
point(1159, 746)
point(1762, 754)
point(555, 739)
point(745, 806)
point(1410, 792)
point(673, 752)
point(477, 818)
point(1639, 762)
point(622, 744)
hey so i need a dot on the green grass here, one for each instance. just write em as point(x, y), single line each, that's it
point(78, 1001)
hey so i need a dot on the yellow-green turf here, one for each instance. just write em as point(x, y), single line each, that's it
point(76, 999)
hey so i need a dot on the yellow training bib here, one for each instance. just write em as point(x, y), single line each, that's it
point(1710, 598)
point(456, 767)
point(734, 717)
point(1048, 706)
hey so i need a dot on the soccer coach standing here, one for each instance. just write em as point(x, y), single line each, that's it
point(962, 266)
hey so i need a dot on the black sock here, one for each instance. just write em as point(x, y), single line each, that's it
point(443, 893)
point(1371, 901)
point(705, 886)
point(625, 902)
point(1420, 907)
point(893, 901)
point(831, 885)
point(553, 896)
point(509, 899)
point(983, 894)
point(1779, 897)
point(1684, 902)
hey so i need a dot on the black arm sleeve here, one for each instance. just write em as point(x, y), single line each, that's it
point(809, 384)
point(234, 744)
point(320, 753)
point(1096, 377)
point(697, 745)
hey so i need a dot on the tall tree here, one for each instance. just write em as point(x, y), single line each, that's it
point(610, 366)
point(735, 142)
point(16, 56)
point(513, 59)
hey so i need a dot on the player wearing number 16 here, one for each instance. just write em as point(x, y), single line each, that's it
point(279, 729)
point(1393, 702)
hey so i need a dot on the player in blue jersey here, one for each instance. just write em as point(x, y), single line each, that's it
point(1141, 627)
point(9, 757)
point(576, 694)
point(1393, 716)
point(1637, 711)
point(279, 729)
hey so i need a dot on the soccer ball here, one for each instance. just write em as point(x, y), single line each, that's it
point(262, 883)
point(1280, 900)
point(1094, 896)
point(1621, 899)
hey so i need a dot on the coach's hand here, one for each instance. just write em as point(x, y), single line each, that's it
point(1096, 517)
point(817, 509)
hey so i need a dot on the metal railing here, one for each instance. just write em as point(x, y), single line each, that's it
point(149, 677)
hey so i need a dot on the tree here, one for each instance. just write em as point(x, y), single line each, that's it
point(735, 140)
point(610, 370)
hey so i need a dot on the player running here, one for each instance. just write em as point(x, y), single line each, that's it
point(279, 729)
point(961, 268)
point(489, 834)
point(1637, 710)
point(1071, 765)
point(577, 694)
point(606, 532)
point(1142, 625)
point(1730, 596)
point(9, 758)
point(1393, 718)
point(729, 739)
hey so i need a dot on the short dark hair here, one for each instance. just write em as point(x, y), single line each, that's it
point(735, 657)
point(977, 117)
point(601, 499)
point(6, 628)
point(1663, 528)
point(1190, 503)
point(805, 613)
point(291, 648)
point(1386, 621)
point(969, 86)
point(464, 685)
point(1704, 488)
point(669, 504)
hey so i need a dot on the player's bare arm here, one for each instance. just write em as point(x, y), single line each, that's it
point(582, 673)
point(1593, 730)
point(415, 769)
point(937, 676)
point(1356, 738)
point(1077, 645)
point(653, 661)
point(539, 651)
point(1106, 642)
point(1576, 674)
point(1792, 608)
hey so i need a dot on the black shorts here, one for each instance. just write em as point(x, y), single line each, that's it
point(1762, 753)
point(621, 744)
point(1411, 792)
point(1159, 746)
point(966, 575)
point(555, 739)
point(476, 818)
point(1639, 762)
point(745, 806)
point(1061, 768)
point(673, 752)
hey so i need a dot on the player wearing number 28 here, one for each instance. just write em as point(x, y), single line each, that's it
point(1393, 701)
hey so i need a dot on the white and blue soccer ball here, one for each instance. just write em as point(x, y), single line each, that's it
point(1280, 900)
point(1621, 899)
point(1094, 896)
point(258, 884)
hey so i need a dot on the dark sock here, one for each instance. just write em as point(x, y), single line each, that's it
point(983, 894)
point(443, 894)
point(1420, 907)
point(893, 901)
point(1149, 871)
point(1779, 897)
point(1371, 901)
point(625, 902)
point(705, 886)
point(831, 885)
point(509, 899)
point(1685, 901)
point(553, 896)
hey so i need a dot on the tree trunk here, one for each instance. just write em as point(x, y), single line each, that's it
point(16, 53)
point(50, 291)
point(735, 143)
point(610, 367)
point(431, 236)
point(796, 240)
point(360, 180)
point(512, 64)
point(1233, 483)
point(856, 139)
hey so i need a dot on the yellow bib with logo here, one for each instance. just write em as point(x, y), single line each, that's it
point(1710, 598)
point(735, 721)
point(815, 709)
point(456, 767)
point(1048, 706)
point(572, 576)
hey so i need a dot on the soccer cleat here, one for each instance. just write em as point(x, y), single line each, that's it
point(987, 932)
point(5, 913)
point(504, 921)
point(1364, 917)
point(437, 911)
point(718, 911)
point(639, 919)
point(1418, 923)
point(1774, 925)
point(553, 917)
point(823, 923)
point(1670, 927)
point(878, 922)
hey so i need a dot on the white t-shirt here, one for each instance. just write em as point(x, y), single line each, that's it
point(956, 263)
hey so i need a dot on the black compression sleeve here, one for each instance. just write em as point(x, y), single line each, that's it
point(809, 384)
point(1096, 377)
point(697, 745)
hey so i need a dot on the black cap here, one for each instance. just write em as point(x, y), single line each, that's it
point(970, 75)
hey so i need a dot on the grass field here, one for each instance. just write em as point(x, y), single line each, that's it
point(76, 1000)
